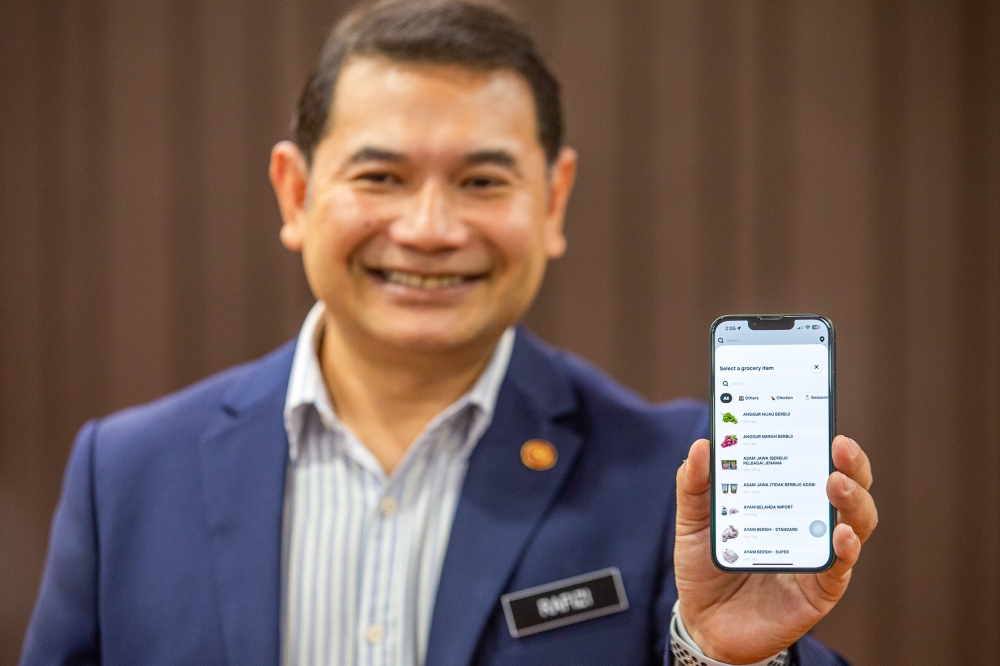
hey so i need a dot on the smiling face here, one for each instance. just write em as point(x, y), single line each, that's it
point(428, 215)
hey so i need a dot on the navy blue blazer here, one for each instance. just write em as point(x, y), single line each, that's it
point(166, 544)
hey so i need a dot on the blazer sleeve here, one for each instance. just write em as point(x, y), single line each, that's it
point(64, 625)
point(807, 651)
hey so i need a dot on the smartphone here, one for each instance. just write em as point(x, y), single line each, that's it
point(773, 419)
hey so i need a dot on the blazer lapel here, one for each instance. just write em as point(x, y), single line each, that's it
point(243, 465)
point(502, 501)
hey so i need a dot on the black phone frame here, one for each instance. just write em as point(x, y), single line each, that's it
point(775, 322)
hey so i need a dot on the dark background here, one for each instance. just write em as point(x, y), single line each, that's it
point(831, 157)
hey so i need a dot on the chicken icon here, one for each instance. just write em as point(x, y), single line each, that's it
point(729, 533)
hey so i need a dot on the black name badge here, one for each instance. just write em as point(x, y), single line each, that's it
point(564, 602)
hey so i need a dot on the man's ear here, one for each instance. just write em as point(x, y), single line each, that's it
point(561, 179)
point(290, 177)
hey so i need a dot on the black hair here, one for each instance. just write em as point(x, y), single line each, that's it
point(475, 34)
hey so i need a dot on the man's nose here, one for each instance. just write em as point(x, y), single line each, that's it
point(431, 222)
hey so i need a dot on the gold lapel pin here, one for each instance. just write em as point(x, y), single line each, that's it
point(539, 455)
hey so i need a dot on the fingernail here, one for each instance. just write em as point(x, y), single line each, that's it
point(854, 447)
point(849, 484)
point(853, 535)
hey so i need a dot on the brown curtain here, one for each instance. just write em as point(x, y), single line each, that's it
point(831, 157)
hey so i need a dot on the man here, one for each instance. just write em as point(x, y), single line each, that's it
point(373, 492)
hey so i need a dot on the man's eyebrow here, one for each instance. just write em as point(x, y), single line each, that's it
point(373, 154)
point(500, 158)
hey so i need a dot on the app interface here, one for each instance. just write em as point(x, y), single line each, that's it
point(772, 445)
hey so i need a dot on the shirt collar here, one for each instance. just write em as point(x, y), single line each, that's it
point(306, 386)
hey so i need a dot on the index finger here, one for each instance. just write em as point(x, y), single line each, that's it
point(851, 461)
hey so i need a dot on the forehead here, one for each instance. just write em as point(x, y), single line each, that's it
point(425, 106)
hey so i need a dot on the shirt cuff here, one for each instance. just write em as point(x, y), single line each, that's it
point(687, 652)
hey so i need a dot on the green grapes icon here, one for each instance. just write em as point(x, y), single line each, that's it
point(729, 418)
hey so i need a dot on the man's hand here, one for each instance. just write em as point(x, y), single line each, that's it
point(743, 618)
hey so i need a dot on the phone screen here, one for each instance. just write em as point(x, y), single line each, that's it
point(773, 416)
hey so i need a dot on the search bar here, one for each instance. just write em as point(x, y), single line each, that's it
point(811, 382)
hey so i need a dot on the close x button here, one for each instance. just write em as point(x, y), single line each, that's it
point(564, 602)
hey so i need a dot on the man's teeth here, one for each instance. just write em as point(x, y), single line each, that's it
point(423, 281)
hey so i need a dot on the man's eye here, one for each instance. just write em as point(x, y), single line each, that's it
point(482, 182)
point(379, 178)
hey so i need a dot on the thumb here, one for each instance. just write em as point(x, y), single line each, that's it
point(694, 505)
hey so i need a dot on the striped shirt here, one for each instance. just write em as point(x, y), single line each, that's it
point(362, 551)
